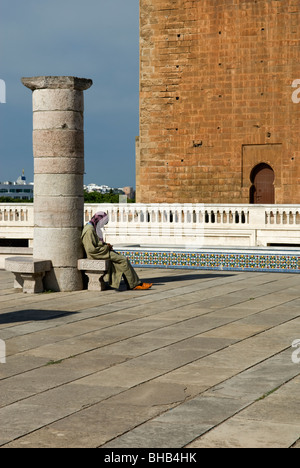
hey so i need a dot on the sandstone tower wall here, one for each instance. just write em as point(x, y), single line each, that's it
point(216, 100)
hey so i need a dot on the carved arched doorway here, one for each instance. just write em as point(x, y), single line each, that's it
point(262, 190)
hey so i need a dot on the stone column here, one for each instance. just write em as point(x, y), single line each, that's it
point(58, 150)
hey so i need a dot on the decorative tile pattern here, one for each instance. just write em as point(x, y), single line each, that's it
point(226, 261)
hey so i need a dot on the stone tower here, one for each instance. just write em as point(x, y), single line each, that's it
point(219, 101)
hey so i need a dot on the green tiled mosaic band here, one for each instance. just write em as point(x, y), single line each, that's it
point(282, 263)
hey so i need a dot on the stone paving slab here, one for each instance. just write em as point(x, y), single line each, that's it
point(203, 359)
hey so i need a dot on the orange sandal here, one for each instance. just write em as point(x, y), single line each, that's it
point(143, 286)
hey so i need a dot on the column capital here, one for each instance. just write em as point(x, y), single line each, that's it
point(57, 82)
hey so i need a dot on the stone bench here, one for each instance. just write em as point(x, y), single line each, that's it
point(29, 273)
point(95, 271)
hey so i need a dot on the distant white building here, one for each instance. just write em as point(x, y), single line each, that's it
point(102, 189)
point(19, 190)
point(97, 188)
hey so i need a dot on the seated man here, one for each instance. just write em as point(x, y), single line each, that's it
point(97, 249)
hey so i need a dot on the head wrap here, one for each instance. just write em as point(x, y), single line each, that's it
point(99, 220)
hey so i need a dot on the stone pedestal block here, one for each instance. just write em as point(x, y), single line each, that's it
point(33, 283)
point(95, 270)
point(28, 272)
point(58, 149)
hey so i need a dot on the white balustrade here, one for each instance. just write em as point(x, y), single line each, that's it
point(16, 221)
point(200, 224)
point(177, 224)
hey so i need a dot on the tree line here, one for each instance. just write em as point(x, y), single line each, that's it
point(92, 197)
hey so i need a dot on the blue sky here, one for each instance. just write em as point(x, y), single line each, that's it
point(97, 39)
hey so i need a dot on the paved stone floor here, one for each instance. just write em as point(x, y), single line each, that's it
point(203, 359)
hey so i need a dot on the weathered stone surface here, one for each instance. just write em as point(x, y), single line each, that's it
point(93, 265)
point(115, 370)
point(63, 279)
point(57, 100)
point(216, 79)
point(58, 120)
point(27, 265)
point(28, 272)
point(58, 143)
point(61, 245)
point(95, 281)
point(58, 165)
point(95, 270)
point(57, 82)
point(67, 185)
point(58, 149)
point(33, 283)
point(59, 211)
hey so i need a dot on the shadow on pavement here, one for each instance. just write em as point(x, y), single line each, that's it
point(184, 277)
point(33, 315)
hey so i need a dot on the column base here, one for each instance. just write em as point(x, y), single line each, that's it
point(63, 280)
